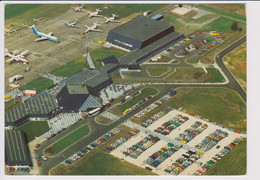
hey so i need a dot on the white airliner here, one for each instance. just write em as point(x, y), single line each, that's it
point(16, 56)
point(93, 28)
point(95, 14)
point(43, 36)
point(111, 19)
point(72, 24)
point(37, 20)
point(78, 9)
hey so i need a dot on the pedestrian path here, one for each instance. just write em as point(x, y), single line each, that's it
point(60, 122)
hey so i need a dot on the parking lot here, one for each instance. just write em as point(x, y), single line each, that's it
point(166, 151)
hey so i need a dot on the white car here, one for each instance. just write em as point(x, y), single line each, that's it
point(44, 158)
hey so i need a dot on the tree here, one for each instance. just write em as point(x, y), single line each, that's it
point(234, 26)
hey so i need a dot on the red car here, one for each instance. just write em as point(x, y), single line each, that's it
point(38, 163)
point(37, 145)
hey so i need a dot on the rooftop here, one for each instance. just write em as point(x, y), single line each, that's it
point(16, 149)
point(40, 104)
point(141, 28)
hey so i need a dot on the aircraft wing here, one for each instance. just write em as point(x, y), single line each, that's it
point(97, 30)
point(11, 59)
point(50, 34)
point(41, 39)
point(23, 53)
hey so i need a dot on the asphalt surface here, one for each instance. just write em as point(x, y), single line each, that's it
point(233, 84)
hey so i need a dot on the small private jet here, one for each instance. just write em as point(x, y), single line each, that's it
point(78, 9)
point(72, 24)
point(93, 28)
point(37, 20)
point(111, 19)
point(43, 36)
point(16, 56)
point(95, 14)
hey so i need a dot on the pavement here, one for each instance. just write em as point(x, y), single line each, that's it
point(140, 161)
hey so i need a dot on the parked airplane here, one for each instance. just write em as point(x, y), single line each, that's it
point(16, 56)
point(44, 36)
point(72, 24)
point(95, 14)
point(37, 20)
point(78, 9)
point(93, 28)
point(27, 25)
point(111, 19)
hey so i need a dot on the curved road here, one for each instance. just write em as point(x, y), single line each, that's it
point(98, 130)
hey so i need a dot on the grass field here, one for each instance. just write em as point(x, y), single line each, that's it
point(187, 25)
point(71, 67)
point(221, 105)
point(222, 24)
point(19, 14)
point(68, 140)
point(221, 11)
point(11, 104)
point(214, 76)
point(236, 62)
point(103, 120)
point(157, 71)
point(144, 93)
point(100, 53)
point(34, 129)
point(234, 163)
point(97, 162)
point(186, 74)
point(38, 84)
point(106, 164)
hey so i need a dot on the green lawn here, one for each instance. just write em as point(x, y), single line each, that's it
point(227, 13)
point(19, 14)
point(186, 25)
point(13, 10)
point(220, 105)
point(100, 53)
point(38, 84)
point(71, 138)
point(157, 71)
point(34, 129)
point(234, 163)
point(186, 74)
point(144, 93)
point(222, 24)
point(106, 164)
point(71, 68)
point(215, 75)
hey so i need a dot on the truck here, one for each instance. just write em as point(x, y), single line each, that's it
point(29, 92)
point(7, 97)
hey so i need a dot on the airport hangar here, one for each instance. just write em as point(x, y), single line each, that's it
point(145, 38)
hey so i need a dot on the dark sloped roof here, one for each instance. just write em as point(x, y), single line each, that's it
point(141, 28)
point(110, 60)
point(16, 149)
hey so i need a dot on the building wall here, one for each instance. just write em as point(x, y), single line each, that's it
point(127, 43)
